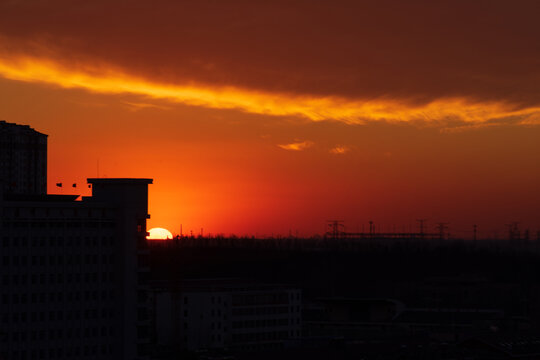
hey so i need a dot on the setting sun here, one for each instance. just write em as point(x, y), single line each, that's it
point(159, 234)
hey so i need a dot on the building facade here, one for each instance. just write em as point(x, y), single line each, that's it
point(73, 273)
point(23, 159)
point(219, 314)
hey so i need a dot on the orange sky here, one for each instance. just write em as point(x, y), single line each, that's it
point(265, 119)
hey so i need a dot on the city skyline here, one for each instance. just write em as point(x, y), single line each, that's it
point(276, 118)
point(417, 229)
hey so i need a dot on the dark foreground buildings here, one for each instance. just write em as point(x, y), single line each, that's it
point(79, 281)
point(206, 314)
point(73, 273)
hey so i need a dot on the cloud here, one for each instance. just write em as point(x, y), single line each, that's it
point(136, 106)
point(339, 150)
point(297, 146)
point(341, 60)
point(352, 111)
point(533, 119)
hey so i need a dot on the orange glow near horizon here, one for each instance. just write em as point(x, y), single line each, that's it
point(236, 161)
point(270, 119)
point(110, 81)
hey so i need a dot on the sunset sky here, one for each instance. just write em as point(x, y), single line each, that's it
point(269, 117)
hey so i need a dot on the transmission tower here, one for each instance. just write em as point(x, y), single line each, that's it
point(335, 228)
point(513, 231)
point(442, 227)
point(421, 221)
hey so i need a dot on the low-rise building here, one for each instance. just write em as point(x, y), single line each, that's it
point(217, 313)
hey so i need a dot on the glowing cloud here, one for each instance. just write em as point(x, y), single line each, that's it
point(133, 106)
point(339, 150)
point(297, 146)
point(109, 80)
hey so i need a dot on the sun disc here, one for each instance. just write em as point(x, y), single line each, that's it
point(159, 234)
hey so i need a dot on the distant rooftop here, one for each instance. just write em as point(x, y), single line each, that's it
point(12, 127)
point(40, 197)
point(123, 181)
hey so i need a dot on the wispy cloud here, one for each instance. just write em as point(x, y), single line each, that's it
point(533, 119)
point(316, 108)
point(297, 146)
point(135, 106)
point(339, 150)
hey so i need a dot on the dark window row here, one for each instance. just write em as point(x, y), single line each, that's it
point(57, 241)
point(54, 260)
point(68, 297)
point(57, 278)
point(58, 224)
point(71, 352)
point(59, 315)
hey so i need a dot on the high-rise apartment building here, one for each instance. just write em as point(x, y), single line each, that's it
point(23, 159)
point(73, 273)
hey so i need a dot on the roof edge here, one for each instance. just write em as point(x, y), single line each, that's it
point(120, 181)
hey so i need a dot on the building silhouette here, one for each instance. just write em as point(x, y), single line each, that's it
point(205, 314)
point(74, 273)
point(23, 159)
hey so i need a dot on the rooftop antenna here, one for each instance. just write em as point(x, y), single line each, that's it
point(421, 221)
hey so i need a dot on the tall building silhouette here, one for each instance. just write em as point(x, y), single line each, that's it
point(23, 159)
point(74, 273)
